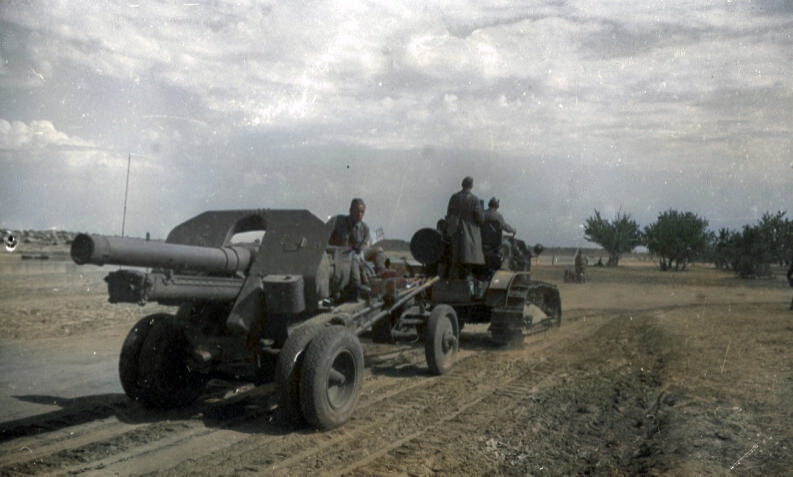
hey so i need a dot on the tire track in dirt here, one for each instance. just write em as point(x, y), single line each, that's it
point(534, 408)
point(40, 445)
point(83, 448)
point(428, 429)
point(308, 452)
point(52, 445)
point(122, 449)
point(521, 377)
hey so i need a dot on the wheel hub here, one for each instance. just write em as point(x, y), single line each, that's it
point(341, 382)
point(449, 341)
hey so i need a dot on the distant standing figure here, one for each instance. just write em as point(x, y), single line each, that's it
point(464, 217)
point(790, 279)
point(580, 266)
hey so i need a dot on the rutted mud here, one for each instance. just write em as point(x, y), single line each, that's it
point(645, 376)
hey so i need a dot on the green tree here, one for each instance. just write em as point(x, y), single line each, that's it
point(677, 238)
point(616, 237)
point(721, 249)
point(751, 251)
point(777, 233)
point(746, 252)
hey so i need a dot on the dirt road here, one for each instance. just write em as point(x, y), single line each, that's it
point(650, 373)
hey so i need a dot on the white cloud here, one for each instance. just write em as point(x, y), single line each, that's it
point(36, 135)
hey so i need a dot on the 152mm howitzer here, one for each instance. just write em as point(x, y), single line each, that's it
point(269, 311)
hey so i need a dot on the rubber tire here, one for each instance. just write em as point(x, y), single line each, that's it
point(334, 351)
point(128, 360)
point(441, 339)
point(288, 370)
point(165, 380)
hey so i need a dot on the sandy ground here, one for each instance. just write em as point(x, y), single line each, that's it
point(650, 374)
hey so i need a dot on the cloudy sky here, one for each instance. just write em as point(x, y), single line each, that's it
point(558, 108)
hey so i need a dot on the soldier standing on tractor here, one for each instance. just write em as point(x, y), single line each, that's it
point(351, 231)
point(464, 217)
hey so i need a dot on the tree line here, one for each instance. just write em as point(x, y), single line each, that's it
point(678, 238)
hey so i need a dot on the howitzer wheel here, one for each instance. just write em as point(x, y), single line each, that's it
point(165, 379)
point(288, 370)
point(441, 339)
point(130, 354)
point(332, 378)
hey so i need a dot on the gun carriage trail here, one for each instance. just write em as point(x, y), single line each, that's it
point(649, 373)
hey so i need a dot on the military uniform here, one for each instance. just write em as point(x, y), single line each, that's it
point(350, 234)
point(493, 215)
point(464, 216)
point(355, 237)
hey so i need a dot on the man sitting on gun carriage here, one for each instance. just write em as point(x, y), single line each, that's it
point(352, 233)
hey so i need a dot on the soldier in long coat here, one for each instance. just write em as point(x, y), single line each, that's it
point(464, 216)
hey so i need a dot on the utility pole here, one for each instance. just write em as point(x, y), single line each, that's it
point(126, 191)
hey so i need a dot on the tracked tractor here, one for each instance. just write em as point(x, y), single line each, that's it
point(510, 300)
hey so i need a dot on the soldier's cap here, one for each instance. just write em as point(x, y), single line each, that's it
point(468, 182)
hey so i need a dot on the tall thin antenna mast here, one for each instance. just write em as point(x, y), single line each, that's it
point(126, 190)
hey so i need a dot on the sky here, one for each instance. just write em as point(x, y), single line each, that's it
point(557, 108)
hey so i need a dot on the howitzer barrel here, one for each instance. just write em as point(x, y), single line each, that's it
point(101, 249)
